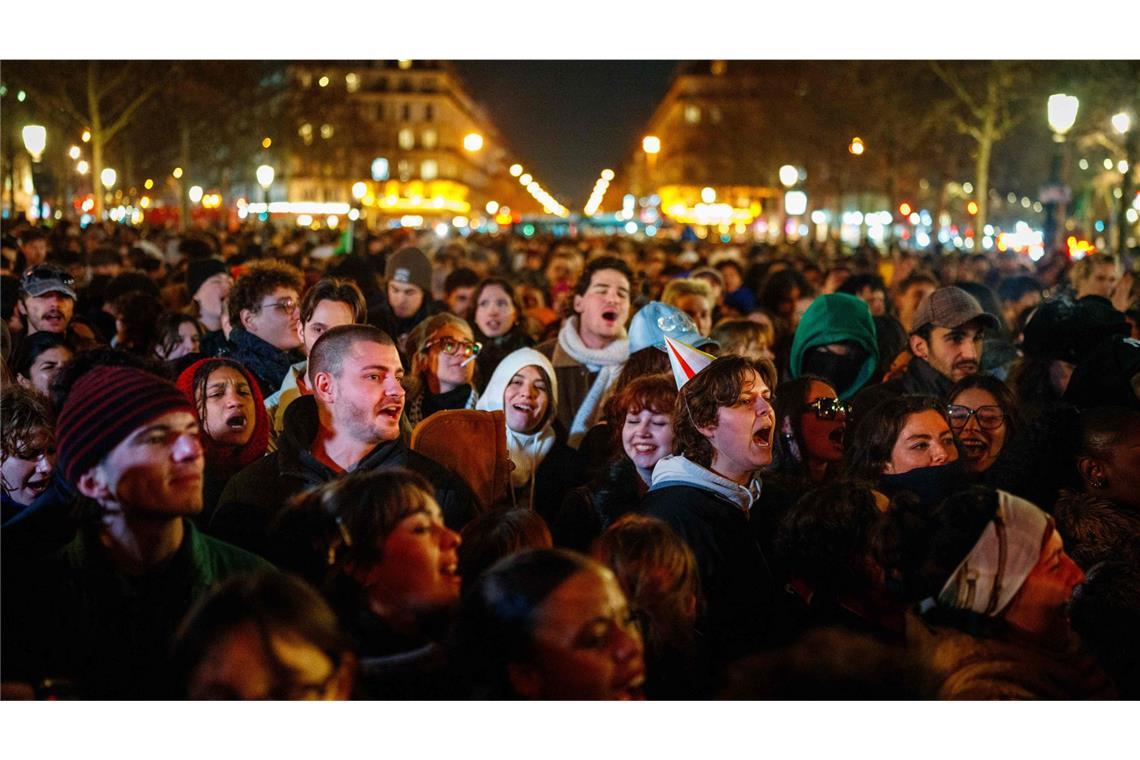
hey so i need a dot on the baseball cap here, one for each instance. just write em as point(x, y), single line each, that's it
point(654, 321)
point(950, 307)
point(45, 278)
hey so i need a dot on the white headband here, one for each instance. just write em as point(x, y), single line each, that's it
point(995, 569)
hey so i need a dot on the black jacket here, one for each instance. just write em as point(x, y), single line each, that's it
point(589, 509)
point(255, 496)
point(743, 602)
point(558, 473)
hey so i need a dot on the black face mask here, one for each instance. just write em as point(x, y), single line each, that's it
point(930, 484)
point(841, 370)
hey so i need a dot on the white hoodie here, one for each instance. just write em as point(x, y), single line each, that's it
point(527, 450)
point(676, 470)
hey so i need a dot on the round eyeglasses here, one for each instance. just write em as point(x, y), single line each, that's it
point(451, 345)
point(988, 417)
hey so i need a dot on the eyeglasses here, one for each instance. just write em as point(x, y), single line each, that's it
point(287, 305)
point(451, 345)
point(989, 417)
point(828, 408)
point(48, 272)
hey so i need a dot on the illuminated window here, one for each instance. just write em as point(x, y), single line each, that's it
point(429, 169)
point(407, 139)
point(326, 131)
point(306, 133)
point(692, 114)
point(351, 82)
point(429, 139)
point(405, 170)
point(380, 169)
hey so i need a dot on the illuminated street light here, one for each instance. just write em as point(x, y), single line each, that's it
point(608, 175)
point(35, 140)
point(525, 179)
point(266, 143)
point(86, 136)
point(148, 184)
point(795, 202)
point(856, 147)
point(1062, 111)
point(516, 170)
point(82, 167)
point(265, 174)
point(108, 177)
point(492, 207)
point(708, 195)
point(789, 175)
point(359, 189)
point(195, 194)
point(473, 142)
point(1121, 122)
point(73, 153)
point(177, 173)
point(651, 144)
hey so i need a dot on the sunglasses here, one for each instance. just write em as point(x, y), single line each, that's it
point(450, 346)
point(47, 272)
point(828, 408)
point(989, 417)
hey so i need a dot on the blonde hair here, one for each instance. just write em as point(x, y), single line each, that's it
point(686, 286)
point(1083, 269)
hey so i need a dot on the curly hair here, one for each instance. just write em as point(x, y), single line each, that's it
point(717, 385)
point(25, 413)
point(258, 280)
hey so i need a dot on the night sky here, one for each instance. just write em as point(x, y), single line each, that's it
point(568, 120)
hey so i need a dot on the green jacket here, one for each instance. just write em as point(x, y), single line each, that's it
point(107, 633)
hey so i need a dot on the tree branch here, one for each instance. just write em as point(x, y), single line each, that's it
point(115, 82)
point(128, 112)
point(952, 82)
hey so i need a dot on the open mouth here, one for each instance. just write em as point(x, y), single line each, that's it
point(493, 325)
point(38, 486)
point(524, 408)
point(237, 422)
point(632, 688)
point(762, 436)
point(610, 315)
point(837, 435)
point(392, 411)
point(645, 448)
point(973, 447)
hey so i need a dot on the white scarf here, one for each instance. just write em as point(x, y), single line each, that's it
point(607, 362)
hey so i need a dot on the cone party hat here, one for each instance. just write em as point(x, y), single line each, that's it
point(686, 360)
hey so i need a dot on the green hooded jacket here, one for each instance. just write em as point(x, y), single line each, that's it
point(835, 318)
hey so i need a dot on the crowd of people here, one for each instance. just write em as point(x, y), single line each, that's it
point(258, 464)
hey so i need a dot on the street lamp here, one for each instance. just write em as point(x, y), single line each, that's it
point(108, 177)
point(1122, 123)
point(35, 140)
point(789, 175)
point(265, 175)
point(473, 142)
point(1061, 111)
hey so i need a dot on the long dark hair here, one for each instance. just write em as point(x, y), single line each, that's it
point(878, 429)
point(788, 456)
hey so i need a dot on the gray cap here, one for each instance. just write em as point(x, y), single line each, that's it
point(46, 278)
point(950, 307)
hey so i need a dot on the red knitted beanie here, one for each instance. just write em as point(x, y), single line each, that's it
point(104, 407)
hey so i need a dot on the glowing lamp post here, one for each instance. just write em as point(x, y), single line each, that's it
point(1122, 124)
point(35, 140)
point(473, 142)
point(1061, 111)
point(265, 174)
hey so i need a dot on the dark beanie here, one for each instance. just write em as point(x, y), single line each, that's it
point(1068, 330)
point(200, 270)
point(411, 267)
point(104, 407)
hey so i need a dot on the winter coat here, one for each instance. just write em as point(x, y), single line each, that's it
point(255, 496)
point(589, 509)
point(712, 514)
point(994, 666)
point(107, 632)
